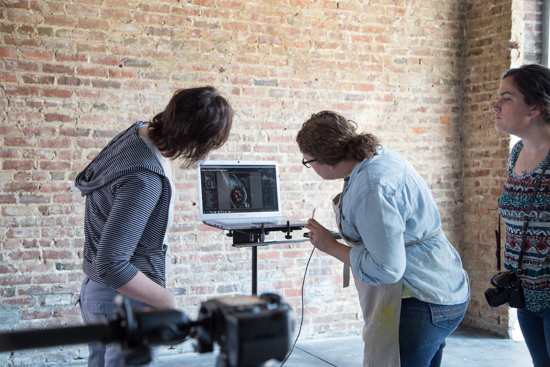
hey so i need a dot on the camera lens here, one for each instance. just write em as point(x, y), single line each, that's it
point(495, 297)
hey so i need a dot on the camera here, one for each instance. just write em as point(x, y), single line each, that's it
point(249, 330)
point(505, 290)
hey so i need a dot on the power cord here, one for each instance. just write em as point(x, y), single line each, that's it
point(302, 319)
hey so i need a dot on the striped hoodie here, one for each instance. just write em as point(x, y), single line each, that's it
point(127, 203)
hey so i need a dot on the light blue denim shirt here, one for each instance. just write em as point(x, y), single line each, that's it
point(387, 204)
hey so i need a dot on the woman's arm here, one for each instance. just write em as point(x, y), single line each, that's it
point(380, 224)
point(137, 196)
point(145, 290)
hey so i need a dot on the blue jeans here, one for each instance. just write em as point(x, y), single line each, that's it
point(535, 327)
point(423, 328)
point(96, 305)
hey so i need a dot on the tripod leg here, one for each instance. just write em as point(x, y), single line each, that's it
point(254, 270)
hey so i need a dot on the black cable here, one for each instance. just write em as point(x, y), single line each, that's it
point(302, 320)
point(319, 358)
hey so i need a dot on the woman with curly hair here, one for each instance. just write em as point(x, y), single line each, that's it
point(412, 288)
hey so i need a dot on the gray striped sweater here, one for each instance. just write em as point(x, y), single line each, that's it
point(127, 203)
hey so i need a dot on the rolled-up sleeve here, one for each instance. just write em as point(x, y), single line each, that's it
point(379, 221)
point(136, 196)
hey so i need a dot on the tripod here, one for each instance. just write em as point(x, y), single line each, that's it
point(249, 330)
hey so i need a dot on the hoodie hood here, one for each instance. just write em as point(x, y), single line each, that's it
point(126, 153)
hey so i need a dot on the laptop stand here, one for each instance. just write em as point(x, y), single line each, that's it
point(256, 237)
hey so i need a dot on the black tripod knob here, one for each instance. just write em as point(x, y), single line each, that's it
point(288, 236)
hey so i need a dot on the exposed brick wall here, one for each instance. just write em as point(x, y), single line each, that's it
point(76, 73)
point(485, 153)
point(532, 36)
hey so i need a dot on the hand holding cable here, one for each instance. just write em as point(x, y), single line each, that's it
point(323, 239)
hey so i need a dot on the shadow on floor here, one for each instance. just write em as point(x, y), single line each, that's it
point(465, 348)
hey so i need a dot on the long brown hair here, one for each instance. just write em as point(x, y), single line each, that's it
point(195, 122)
point(331, 138)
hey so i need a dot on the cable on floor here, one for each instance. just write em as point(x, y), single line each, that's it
point(302, 319)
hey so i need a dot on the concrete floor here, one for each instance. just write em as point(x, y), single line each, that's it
point(465, 348)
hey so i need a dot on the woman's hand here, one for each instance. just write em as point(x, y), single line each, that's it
point(143, 289)
point(319, 236)
point(322, 238)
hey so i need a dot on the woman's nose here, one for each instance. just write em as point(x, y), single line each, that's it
point(495, 107)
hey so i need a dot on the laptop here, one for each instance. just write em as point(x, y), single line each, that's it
point(240, 195)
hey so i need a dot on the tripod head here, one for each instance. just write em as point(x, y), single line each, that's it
point(250, 330)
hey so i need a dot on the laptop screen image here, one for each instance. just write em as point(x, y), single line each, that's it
point(239, 189)
point(241, 195)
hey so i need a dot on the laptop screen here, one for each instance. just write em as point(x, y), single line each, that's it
point(228, 188)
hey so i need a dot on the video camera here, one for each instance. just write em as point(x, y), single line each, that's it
point(249, 330)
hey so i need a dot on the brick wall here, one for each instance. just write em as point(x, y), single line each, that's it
point(76, 73)
point(485, 152)
point(532, 36)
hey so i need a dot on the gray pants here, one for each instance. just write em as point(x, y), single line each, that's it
point(97, 304)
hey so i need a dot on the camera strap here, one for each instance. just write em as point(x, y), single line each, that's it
point(526, 223)
point(497, 235)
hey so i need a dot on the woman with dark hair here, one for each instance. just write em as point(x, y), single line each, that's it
point(129, 206)
point(412, 288)
point(523, 109)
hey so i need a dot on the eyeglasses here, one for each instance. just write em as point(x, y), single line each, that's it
point(307, 163)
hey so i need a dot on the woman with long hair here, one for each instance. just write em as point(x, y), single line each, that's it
point(523, 109)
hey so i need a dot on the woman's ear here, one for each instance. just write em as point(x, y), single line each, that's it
point(535, 111)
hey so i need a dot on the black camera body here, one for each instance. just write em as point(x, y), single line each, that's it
point(250, 330)
point(505, 290)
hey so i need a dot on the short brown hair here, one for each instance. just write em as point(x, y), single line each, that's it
point(331, 138)
point(195, 122)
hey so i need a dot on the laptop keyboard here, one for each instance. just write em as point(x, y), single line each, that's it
point(252, 220)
